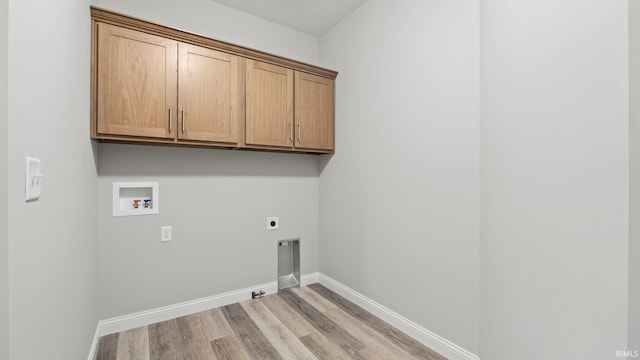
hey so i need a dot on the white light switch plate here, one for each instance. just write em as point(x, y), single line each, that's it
point(33, 183)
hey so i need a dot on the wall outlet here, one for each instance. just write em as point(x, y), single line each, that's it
point(166, 233)
point(272, 223)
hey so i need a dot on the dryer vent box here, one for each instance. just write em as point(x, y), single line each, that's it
point(288, 263)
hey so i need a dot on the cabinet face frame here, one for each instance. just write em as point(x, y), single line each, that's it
point(99, 15)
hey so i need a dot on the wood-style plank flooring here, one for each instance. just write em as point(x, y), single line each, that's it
point(301, 323)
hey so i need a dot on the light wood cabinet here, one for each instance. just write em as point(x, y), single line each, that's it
point(314, 112)
point(269, 116)
point(142, 92)
point(209, 97)
point(155, 84)
point(288, 108)
point(137, 83)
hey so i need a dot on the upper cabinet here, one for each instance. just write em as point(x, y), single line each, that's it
point(269, 98)
point(209, 95)
point(137, 83)
point(155, 84)
point(313, 112)
point(287, 108)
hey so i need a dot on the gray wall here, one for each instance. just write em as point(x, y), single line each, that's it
point(4, 243)
point(399, 199)
point(634, 185)
point(554, 179)
point(216, 200)
point(52, 242)
point(221, 22)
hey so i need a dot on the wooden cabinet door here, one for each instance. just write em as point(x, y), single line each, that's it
point(269, 105)
point(314, 112)
point(136, 83)
point(209, 95)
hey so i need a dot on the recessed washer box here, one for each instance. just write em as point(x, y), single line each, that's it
point(135, 198)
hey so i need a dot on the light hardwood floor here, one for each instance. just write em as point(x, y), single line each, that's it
point(301, 323)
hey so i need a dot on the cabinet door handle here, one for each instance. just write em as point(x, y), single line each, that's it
point(183, 121)
point(299, 133)
point(170, 120)
point(291, 133)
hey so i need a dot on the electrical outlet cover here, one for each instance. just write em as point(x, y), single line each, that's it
point(166, 233)
point(273, 223)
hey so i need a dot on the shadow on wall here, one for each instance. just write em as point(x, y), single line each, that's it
point(144, 160)
point(323, 161)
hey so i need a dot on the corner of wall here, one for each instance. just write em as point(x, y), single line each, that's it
point(400, 198)
point(4, 243)
point(634, 176)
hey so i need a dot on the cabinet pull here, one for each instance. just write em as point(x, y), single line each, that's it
point(169, 119)
point(183, 121)
point(299, 134)
point(291, 133)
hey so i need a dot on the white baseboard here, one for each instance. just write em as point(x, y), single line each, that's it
point(433, 341)
point(148, 317)
point(93, 352)
point(144, 318)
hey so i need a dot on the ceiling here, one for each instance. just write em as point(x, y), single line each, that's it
point(313, 17)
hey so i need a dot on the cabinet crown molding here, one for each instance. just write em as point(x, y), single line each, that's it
point(130, 22)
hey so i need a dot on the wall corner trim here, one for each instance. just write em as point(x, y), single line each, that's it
point(435, 342)
point(143, 318)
